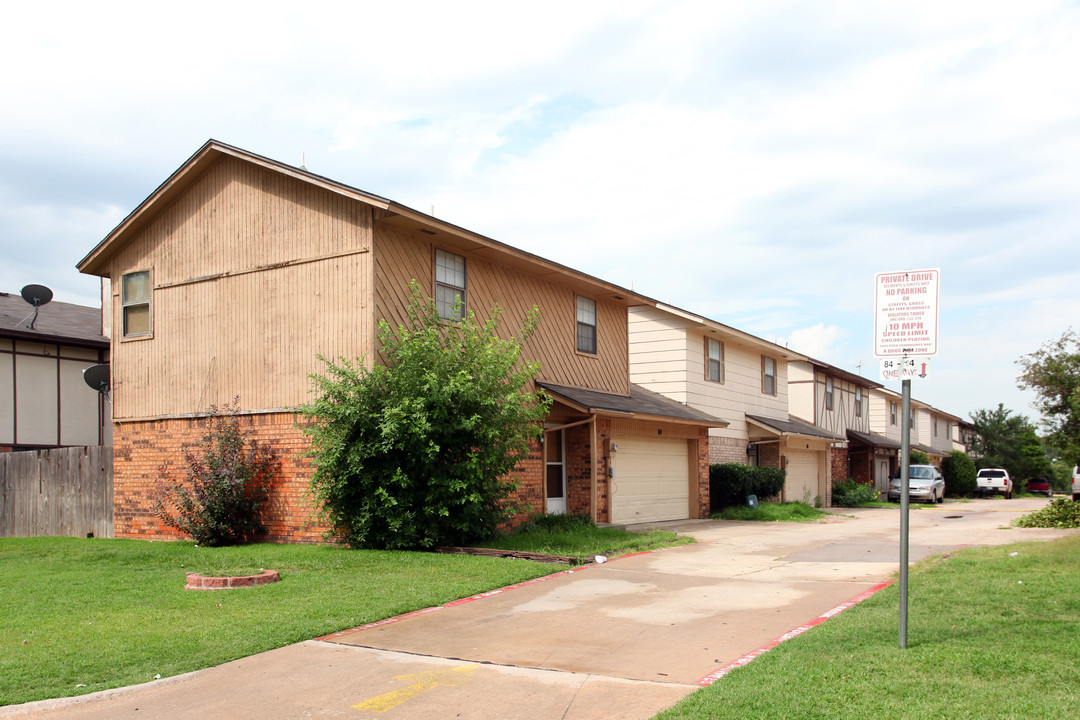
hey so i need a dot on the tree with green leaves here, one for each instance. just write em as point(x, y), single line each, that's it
point(1053, 372)
point(1006, 440)
point(415, 452)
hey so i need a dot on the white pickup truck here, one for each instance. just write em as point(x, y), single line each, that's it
point(994, 480)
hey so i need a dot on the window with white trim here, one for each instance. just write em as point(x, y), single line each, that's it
point(449, 285)
point(135, 300)
point(892, 414)
point(858, 402)
point(714, 360)
point(828, 393)
point(586, 325)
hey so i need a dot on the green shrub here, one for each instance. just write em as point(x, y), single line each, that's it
point(417, 452)
point(959, 472)
point(730, 483)
point(918, 457)
point(1060, 513)
point(218, 503)
point(848, 493)
point(559, 522)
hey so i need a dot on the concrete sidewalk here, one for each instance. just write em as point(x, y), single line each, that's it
point(619, 640)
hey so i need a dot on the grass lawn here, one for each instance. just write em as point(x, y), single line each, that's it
point(77, 615)
point(772, 512)
point(992, 633)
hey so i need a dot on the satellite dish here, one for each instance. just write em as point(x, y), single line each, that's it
point(97, 377)
point(36, 295)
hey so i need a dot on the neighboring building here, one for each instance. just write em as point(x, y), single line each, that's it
point(963, 437)
point(838, 402)
point(44, 402)
point(238, 271)
point(734, 375)
point(936, 430)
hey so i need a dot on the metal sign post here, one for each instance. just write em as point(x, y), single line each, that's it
point(905, 324)
point(905, 467)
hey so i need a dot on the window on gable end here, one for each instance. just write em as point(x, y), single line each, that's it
point(586, 325)
point(714, 360)
point(768, 375)
point(449, 285)
point(135, 299)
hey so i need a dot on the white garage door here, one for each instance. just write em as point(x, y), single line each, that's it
point(801, 484)
point(651, 480)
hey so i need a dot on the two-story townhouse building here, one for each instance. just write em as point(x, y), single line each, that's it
point(44, 402)
point(239, 271)
point(838, 402)
point(742, 378)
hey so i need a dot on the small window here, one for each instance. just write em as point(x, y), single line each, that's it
point(935, 427)
point(892, 414)
point(586, 325)
point(768, 375)
point(828, 393)
point(450, 285)
point(135, 299)
point(714, 370)
point(858, 402)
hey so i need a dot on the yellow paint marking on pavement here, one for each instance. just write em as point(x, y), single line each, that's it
point(421, 682)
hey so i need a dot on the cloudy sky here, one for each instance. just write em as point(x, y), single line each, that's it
point(755, 162)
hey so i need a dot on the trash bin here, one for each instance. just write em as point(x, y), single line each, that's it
point(751, 502)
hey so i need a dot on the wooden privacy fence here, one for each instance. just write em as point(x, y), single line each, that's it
point(66, 492)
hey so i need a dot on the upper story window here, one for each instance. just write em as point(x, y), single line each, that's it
point(714, 369)
point(935, 427)
point(450, 285)
point(858, 402)
point(135, 300)
point(828, 393)
point(892, 414)
point(768, 375)
point(586, 325)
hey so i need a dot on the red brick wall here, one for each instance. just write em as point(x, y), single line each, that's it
point(838, 465)
point(142, 448)
point(704, 455)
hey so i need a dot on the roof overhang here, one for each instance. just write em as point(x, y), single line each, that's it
point(640, 404)
point(791, 428)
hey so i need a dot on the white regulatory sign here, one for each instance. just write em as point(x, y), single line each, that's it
point(909, 368)
point(906, 313)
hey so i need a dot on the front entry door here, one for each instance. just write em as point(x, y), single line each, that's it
point(555, 457)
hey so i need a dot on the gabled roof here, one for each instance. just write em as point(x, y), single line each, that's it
point(792, 426)
point(399, 216)
point(718, 329)
point(639, 404)
point(843, 374)
point(57, 322)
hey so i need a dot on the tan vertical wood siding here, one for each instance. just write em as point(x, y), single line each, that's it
point(401, 256)
point(254, 274)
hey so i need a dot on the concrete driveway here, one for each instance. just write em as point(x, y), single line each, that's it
point(622, 639)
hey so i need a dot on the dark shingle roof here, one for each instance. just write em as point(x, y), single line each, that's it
point(793, 427)
point(56, 322)
point(873, 440)
point(639, 402)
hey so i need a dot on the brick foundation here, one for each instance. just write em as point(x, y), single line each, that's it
point(141, 449)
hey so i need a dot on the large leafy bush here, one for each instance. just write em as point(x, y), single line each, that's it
point(225, 484)
point(959, 472)
point(730, 483)
point(415, 453)
point(1060, 513)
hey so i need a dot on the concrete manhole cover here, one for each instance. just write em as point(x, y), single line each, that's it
point(953, 517)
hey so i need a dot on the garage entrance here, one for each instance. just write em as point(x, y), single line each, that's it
point(651, 481)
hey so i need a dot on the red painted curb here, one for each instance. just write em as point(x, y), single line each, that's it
point(745, 659)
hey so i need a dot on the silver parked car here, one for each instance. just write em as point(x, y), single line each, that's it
point(925, 483)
